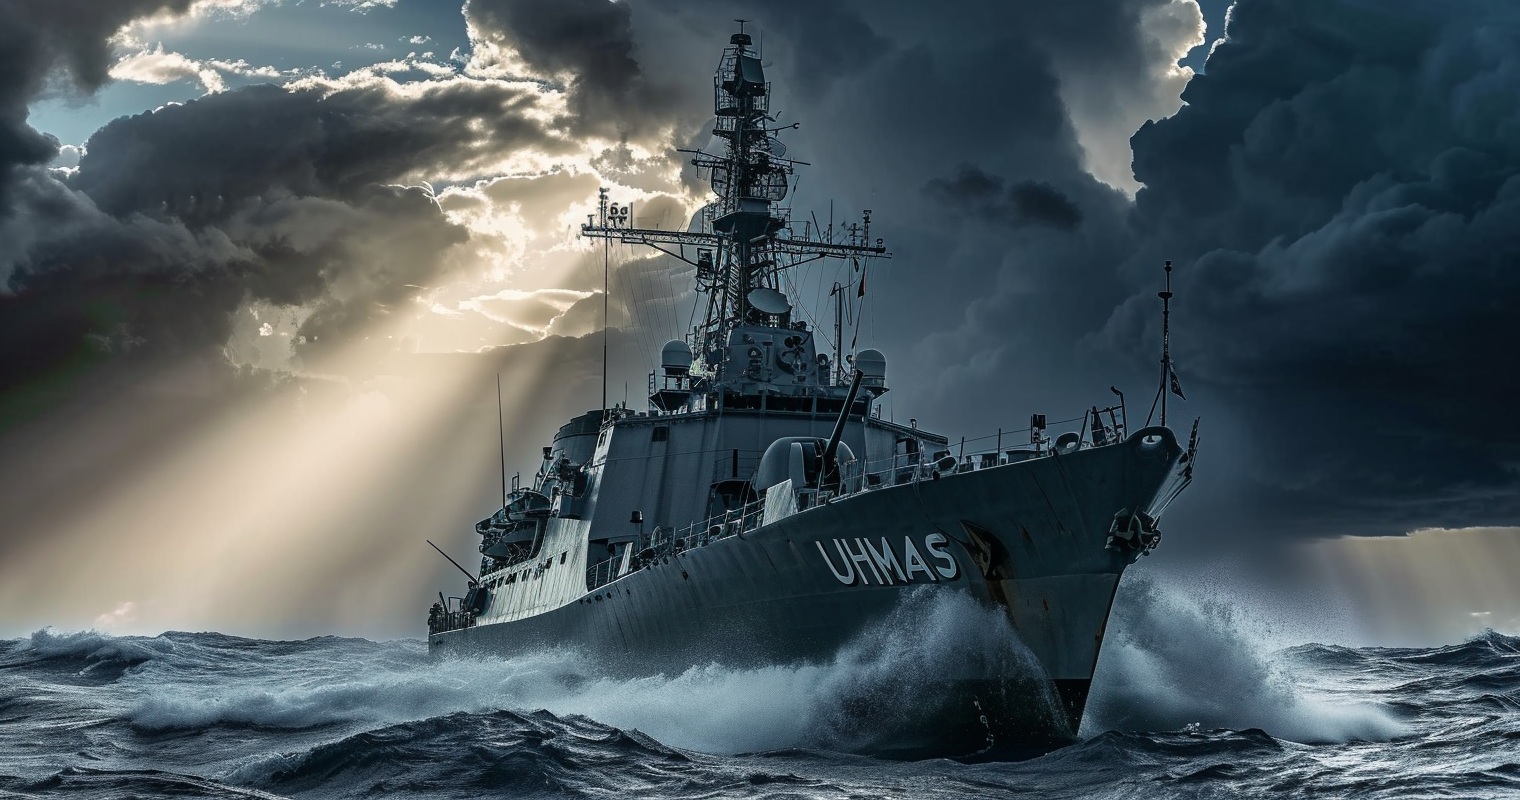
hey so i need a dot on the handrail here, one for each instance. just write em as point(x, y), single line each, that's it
point(858, 477)
point(452, 620)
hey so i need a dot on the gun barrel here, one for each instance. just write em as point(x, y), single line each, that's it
point(832, 449)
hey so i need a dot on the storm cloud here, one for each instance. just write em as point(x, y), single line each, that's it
point(1337, 193)
point(1342, 195)
point(54, 45)
point(179, 217)
point(975, 192)
point(588, 44)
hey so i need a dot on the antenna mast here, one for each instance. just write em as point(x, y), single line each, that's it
point(606, 282)
point(501, 437)
point(838, 294)
point(746, 239)
point(1166, 340)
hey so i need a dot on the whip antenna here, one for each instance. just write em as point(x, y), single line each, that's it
point(1166, 339)
point(606, 282)
point(501, 438)
point(466, 572)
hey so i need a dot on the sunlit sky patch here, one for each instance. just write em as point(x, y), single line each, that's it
point(263, 38)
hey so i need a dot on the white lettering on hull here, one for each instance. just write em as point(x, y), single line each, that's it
point(886, 558)
point(848, 576)
point(864, 564)
point(934, 542)
point(915, 560)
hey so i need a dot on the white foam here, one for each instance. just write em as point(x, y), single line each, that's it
point(707, 708)
point(932, 634)
point(1178, 658)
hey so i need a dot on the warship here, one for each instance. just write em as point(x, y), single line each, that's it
point(762, 512)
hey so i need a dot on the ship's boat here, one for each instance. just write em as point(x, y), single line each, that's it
point(761, 511)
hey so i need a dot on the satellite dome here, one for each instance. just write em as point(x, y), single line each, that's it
point(675, 357)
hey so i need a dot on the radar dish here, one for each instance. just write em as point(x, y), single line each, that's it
point(769, 301)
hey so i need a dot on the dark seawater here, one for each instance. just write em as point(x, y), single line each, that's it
point(1183, 708)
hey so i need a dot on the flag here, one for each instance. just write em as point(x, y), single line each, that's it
point(1176, 384)
point(862, 290)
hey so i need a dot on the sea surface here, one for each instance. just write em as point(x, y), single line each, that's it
point(1186, 705)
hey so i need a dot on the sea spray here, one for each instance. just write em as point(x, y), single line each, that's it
point(896, 673)
point(1179, 659)
point(880, 682)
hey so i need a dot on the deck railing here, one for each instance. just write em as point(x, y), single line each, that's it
point(451, 620)
point(1097, 428)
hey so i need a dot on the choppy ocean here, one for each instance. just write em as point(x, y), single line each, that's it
point(1185, 705)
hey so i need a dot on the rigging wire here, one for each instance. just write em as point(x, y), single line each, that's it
point(649, 316)
point(696, 300)
point(670, 285)
point(666, 266)
point(632, 315)
point(870, 311)
point(816, 329)
point(636, 305)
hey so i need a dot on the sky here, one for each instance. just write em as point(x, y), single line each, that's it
point(261, 261)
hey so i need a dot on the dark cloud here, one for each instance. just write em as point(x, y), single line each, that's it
point(591, 43)
point(1041, 203)
point(54, 44)
point(590, 38)
point(177, 219)
point(262, 194)
point(1342, 195)
point(972, 191)
point(192, 161)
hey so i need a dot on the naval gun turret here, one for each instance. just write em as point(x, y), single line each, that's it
point(803, 460)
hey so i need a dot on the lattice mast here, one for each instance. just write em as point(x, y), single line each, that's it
point(747, 238)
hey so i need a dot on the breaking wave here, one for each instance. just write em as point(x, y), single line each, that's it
point(898, 663)
point(1174, 661)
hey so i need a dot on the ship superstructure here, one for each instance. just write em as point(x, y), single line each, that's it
point(761, 511)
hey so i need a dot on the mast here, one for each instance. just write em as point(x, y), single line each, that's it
point(1166, 340)
point(746, 239)
point(606, 275)
point(501, 438)
point(838, 294)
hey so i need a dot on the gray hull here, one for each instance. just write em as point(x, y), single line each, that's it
point(1031, 538)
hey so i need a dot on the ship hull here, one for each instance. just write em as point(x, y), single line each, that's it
point(1030, 540)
